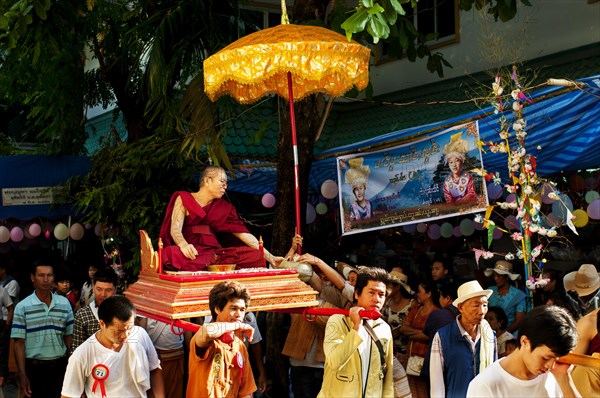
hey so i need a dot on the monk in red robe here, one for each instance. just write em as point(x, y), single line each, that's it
point(192, 221)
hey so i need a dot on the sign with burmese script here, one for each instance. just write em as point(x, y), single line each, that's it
point(419, 181)
point(27, 196)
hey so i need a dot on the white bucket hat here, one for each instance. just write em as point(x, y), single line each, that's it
point(470, 289)
point(502, 267)
point(585, 281)
point(401, 279)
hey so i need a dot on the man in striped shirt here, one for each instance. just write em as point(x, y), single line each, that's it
point(41, 331)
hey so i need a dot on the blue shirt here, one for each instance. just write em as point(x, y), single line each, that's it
point(43, 327)
point(511, 303)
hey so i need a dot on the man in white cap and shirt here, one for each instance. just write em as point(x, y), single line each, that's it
point(463, 348)
point(586, 282)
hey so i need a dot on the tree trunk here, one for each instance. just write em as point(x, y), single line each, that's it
point(308, 119)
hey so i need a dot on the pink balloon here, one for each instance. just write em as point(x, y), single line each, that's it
point(457, 232)
point(497, 234)
point(511, 222)
point(35, 230)
point(16, 234)
point(268, 200)
point(47, 234)
point(494, 191)
point(593, 209)
point(434, 231)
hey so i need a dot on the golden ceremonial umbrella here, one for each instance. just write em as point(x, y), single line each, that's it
point(292, 61)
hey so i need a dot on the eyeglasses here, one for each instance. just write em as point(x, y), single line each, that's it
point(222, 182)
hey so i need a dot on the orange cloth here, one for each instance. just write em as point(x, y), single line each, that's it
point(417, 320)
point(216, 374)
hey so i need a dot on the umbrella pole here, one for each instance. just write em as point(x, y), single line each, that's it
point(295, 149)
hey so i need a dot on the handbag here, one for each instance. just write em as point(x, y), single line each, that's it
point(415, 364)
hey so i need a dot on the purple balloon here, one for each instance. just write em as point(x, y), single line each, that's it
point(16, 234)
point(434, 231)
point(497, 234)
point(421, 227)
point(593, 210)
point(494, 191)
point(511, 222)
point(457, 232)
point(409, 228)
point(511, 198)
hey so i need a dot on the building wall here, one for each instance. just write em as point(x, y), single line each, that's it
point(547, 27)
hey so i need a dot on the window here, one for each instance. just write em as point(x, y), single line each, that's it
point(429, 16)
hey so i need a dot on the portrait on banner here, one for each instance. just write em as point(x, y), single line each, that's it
point(423, 180)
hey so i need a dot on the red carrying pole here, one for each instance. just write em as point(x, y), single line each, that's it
point(295, 149)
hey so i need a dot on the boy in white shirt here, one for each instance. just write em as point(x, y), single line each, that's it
point(117, 361)
point(547, 332)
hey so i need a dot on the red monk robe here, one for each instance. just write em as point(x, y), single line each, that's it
point(200, 228)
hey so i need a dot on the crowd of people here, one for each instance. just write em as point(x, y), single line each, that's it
point(401, 335)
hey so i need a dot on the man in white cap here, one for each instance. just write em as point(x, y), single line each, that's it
point(463, 348)
point(586, 282)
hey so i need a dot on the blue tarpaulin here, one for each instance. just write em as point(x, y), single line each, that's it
point(563, 123)
point(33, 171)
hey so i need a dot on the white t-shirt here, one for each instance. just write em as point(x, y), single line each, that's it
point(494, 382)
point(129, 369)
point(13, 289)
point(5, 301)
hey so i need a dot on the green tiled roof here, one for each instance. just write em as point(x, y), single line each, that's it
point(253, 130)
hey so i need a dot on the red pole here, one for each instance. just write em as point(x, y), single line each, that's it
point(295, 149)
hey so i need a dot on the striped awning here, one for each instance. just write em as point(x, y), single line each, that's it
point(563, 122)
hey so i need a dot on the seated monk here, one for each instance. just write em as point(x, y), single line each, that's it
point(192, 221)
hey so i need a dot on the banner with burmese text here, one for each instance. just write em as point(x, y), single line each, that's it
point(436, 177)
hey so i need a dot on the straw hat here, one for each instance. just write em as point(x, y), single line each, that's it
point(585, 281)
point(401, 279)
point(470, 289)
point(502, 267)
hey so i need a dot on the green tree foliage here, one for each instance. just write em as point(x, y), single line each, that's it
point(147, 59)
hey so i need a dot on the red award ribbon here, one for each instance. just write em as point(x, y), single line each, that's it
point(239, 361)
point(100, 373)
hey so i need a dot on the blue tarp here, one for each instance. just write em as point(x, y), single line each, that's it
point(30, 171)
point(565, 126)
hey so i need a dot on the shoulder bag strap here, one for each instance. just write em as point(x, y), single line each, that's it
point(371, 332)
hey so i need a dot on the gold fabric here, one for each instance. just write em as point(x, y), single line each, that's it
point(319, 59)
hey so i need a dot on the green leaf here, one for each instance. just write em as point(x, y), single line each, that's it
point(397, 7)
point(376, 9)
point(367, 3)
point(356, 22)
point(391, 16)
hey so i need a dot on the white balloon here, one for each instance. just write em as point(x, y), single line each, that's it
point(4, 234)
point(61, 231)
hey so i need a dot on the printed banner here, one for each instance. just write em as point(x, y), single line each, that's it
point(423, 180)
